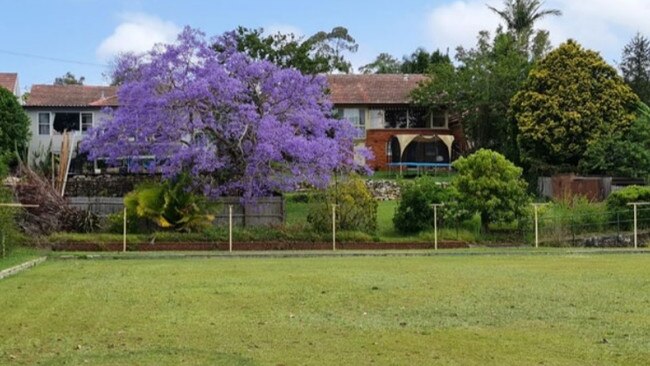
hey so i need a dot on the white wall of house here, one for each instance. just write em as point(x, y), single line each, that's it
point(42, 137)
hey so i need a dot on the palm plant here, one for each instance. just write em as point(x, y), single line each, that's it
point(170, 205)
point(521, 15)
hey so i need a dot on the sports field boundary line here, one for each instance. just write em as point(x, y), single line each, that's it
point(21, 267)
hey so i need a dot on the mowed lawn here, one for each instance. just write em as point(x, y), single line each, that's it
point(469, 310)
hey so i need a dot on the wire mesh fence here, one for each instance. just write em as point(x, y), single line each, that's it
point(595, 229)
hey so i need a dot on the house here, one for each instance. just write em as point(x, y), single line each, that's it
point(398, 133)
point(9, 81)
point(53, 109)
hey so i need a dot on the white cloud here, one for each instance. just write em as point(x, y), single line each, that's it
point(602, 25)
point(137, 33)
point(458, 23)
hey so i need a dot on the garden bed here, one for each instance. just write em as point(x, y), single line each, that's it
point(247, 246)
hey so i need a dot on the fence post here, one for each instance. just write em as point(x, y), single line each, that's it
point(618, 228)
point(124, 232)
point(4, 249)
point(635, 229)
point(230, 228)
point(536, 227)
point(334, 227)
point(435, 224)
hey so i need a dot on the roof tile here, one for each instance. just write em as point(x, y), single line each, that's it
point(72, 96)
point(8, 81)
point(373, 88)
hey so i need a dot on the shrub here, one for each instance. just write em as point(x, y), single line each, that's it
point(561, 220)
point(489, 184)
point(619, 210)
point(170, 205)
point(414, 213)
point(9, 229)
point(356, 208)
point(75, 220)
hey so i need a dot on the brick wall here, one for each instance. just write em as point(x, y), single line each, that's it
point(377, 141)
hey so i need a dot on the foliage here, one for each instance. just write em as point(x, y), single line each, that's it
point(78, 221)
point(170, 205)
point(520, 15)
point(570, 100)
point(480, 89)
point(490, 185)
point(414, 212)
point(420, 61)
point(619, 210)
point(635, 65)
point(14, 124)
point(69, 79)
point(622, 153)
point(35, 189)
point(238, 126)
point(356, 208)
point(561, 220)
point(321, 53)
point(10, 232)
point(43, 161)
point(383, 64)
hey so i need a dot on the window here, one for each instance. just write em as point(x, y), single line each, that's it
point(66, 122)
point(44, 124)
point(439, 119)
point(86, 122)
point(418, 118)
point(414, 118)
point(396, 118)
point(356, 116)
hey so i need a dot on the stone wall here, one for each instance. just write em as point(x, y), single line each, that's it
point(384, 190)
point(104, 185)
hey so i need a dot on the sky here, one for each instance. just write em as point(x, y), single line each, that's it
point(43, 39)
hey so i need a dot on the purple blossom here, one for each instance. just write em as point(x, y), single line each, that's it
point(238, 126)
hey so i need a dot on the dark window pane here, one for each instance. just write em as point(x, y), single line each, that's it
point(66, 122)
point(395, 118)
point(418, 118)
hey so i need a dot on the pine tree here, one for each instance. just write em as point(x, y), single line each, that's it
point(636, 66)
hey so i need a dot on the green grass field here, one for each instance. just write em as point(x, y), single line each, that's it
point(19, 255)
point(460, 310)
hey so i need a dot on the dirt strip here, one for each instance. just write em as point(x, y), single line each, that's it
point(248, 246)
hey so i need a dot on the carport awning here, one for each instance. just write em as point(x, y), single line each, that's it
point(405, 141)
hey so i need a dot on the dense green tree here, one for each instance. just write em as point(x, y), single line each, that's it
point(14, 124)
point(635, 66)
point(480, 89)
point(624, 153)
point(420, 61)
point(323, 52)
point(571, 99)
point(383, 64)
point(490, 185)
point(69, 79)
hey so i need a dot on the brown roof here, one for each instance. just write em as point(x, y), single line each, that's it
point(374, 88)
point(72, 96)
point(8, 81)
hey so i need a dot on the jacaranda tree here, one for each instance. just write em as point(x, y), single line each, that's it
point(238, 126)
